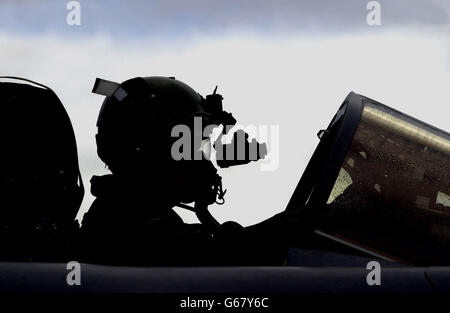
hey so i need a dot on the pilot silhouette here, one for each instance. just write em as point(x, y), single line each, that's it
point(132, 219)
point(41, 188)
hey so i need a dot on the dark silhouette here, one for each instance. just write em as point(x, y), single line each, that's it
point(132, 220)
point(41, 188)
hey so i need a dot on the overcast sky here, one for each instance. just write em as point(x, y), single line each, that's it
point(284, 63)
point(176, 19)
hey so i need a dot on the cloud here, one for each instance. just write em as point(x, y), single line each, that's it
point(183, 19)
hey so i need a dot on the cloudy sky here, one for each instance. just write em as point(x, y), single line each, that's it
point(284, 63)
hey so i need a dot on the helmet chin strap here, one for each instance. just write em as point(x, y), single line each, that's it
point(204, 216)
point(201, 206)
